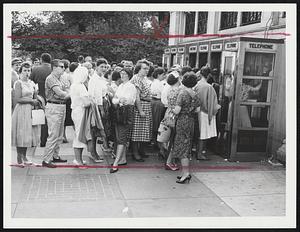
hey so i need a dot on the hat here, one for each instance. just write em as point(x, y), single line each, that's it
point(176, 67)
point(16, 60)
point(175, 74)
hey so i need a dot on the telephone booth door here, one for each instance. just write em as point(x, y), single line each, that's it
point(228, 65)
point(252, 100)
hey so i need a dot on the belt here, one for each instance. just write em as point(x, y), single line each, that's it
point(54, 102)
point(154, 98)
point(146, 100)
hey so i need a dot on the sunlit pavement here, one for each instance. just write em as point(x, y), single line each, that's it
point(217, 188)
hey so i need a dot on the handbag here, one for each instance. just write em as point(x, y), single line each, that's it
point(38, 117)
point(164, 133)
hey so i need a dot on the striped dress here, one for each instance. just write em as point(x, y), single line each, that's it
point(142, 127)
point(23, 133)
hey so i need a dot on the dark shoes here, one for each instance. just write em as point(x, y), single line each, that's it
point(48, 165)
point(185, 180)
point(123, 164)
point(113, 170)
point(59, 160)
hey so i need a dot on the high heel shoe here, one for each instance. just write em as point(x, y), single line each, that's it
point(187, 179)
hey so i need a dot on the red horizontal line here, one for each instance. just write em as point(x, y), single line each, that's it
point(213, 167)
point(136, 36)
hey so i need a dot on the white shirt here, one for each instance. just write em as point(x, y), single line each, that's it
point(164, 93)
point(77, 92)
point(97, 88)
point(156, 88)
point(114, 86)
point(127, 91)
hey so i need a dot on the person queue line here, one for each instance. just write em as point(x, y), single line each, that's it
point(119, 104)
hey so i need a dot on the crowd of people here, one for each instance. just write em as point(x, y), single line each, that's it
point(120, 106)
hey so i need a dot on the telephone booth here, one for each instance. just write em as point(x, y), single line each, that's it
point(251, 69)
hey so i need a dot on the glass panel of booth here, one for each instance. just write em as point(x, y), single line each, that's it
point(253, 116)
point(259, 64)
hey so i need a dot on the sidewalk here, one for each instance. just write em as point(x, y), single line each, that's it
point(218, 188)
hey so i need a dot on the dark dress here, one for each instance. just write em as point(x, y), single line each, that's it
point(184, 128)
point(67, 85)
point(123, 120)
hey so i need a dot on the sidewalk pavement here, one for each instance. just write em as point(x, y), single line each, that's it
point(218, 188)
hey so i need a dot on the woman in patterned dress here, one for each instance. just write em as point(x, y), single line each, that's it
point(24, 135)
point(173, 81)
point(142, 122)
point(185, 106)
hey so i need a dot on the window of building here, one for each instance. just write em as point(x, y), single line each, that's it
point(202, 22)
point(189, 23)
point(228, 20)
point(250, 18)
point(283, 14)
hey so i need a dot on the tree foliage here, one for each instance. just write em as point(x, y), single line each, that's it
point(89, 23)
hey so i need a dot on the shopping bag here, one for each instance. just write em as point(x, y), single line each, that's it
point(164, 133)
point(38, 117)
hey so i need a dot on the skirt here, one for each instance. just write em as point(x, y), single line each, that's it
point(122, 134)
point(158, 111)
point(142, 127)
point(123, 128)
point(207, 131)
point(23, 134)
point(244, 117)
point(77, 115)
point(182, 143)
point(106, 118)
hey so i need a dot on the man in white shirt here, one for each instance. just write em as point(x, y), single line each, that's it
point(98, 90)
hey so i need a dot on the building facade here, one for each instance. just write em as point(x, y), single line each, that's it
point(248, 50)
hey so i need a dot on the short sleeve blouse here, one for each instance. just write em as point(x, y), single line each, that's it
point(77, 92)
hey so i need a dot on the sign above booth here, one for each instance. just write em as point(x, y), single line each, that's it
point(231, 46)
point(203, 48)
point(167, 50)
point(173, 50)
point(181, 50)
point(192, 49)
point(262, 46)
point(216, 47)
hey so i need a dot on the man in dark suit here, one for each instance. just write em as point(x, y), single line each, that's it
point(39, 75)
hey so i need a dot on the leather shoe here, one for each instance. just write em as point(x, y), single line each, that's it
point(48, 165)
point(59, 160)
